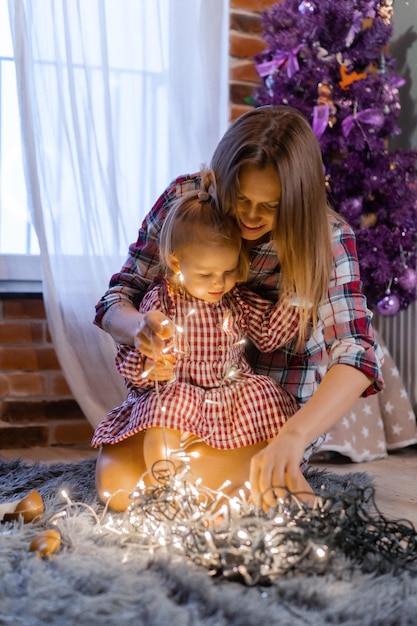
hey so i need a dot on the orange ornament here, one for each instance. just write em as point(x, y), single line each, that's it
point(29, 508)
point(46, 543)
point(349, 78)
point(368, 220)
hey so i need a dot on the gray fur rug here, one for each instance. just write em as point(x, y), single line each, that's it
point(92, 579)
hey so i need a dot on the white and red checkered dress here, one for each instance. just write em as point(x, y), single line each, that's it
point(204, 399)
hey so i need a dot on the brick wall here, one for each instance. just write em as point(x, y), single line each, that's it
point(36, 405)
point(245, 41)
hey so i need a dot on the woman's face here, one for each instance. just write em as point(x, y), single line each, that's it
point(257, 202)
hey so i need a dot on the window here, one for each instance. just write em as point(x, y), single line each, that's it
point(124, 103)
point(19, 250)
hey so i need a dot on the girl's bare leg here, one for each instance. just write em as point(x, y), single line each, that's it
point(119, 467)
point(211, 465)
point(214, 466)
point(158, 444)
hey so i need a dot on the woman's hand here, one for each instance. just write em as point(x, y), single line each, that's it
point(278, 465)
point(152, 333)
point(275, 470)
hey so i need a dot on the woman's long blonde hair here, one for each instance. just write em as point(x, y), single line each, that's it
point(281, 137)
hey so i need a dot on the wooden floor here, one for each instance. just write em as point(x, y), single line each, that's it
point(395, 480)
point(395, 477)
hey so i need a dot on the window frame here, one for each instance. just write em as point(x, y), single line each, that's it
point(20, 273)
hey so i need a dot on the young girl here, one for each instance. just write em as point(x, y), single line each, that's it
point(269, 173)
point(215, 399)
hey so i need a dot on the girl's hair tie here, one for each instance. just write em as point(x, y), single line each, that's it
point(203, 196)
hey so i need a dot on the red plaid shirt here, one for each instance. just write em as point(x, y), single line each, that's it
point(344, 328)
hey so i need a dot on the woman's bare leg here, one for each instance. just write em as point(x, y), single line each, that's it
point(119, 467)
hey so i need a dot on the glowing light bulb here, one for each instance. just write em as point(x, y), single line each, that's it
point(321, 553)
point(223, 510)
point(146, 373)
point(226, 321)
point(66, 497)
point(210, 542)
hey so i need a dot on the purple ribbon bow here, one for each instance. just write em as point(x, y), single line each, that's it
point(280, 59)
point(396, 81)
point(366, 116)
point(321, 114)
point(357, 23)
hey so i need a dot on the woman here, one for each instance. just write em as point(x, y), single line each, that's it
point(269, 172)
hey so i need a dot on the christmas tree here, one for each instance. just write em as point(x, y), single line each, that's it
point(331, 61)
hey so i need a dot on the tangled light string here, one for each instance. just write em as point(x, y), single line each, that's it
point(233, 540)
point(181, 517)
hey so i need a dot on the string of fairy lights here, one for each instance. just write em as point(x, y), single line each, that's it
point(177, 515)
point(235, 542)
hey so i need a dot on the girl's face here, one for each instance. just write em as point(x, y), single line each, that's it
point(257, 202)
point(208, 272)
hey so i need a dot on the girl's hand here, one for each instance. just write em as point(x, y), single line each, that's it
point(275, 470)
point(162, 371)
point(153, 331)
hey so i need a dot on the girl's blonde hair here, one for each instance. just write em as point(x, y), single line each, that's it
point(197, 218)
point(281, 137)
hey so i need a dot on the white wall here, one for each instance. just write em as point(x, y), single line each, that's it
point(399, 332)
point(403, 47)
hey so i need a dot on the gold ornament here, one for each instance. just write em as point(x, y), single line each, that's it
point(368, 220)
point(386, 10)
point(46, 543)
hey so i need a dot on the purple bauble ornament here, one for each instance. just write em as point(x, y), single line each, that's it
point(306, 7)
point(389, 305)
point(408, 280)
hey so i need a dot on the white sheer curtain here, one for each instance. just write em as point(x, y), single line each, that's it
point(116, 98)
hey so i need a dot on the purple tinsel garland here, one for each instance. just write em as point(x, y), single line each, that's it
point(309, 43)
